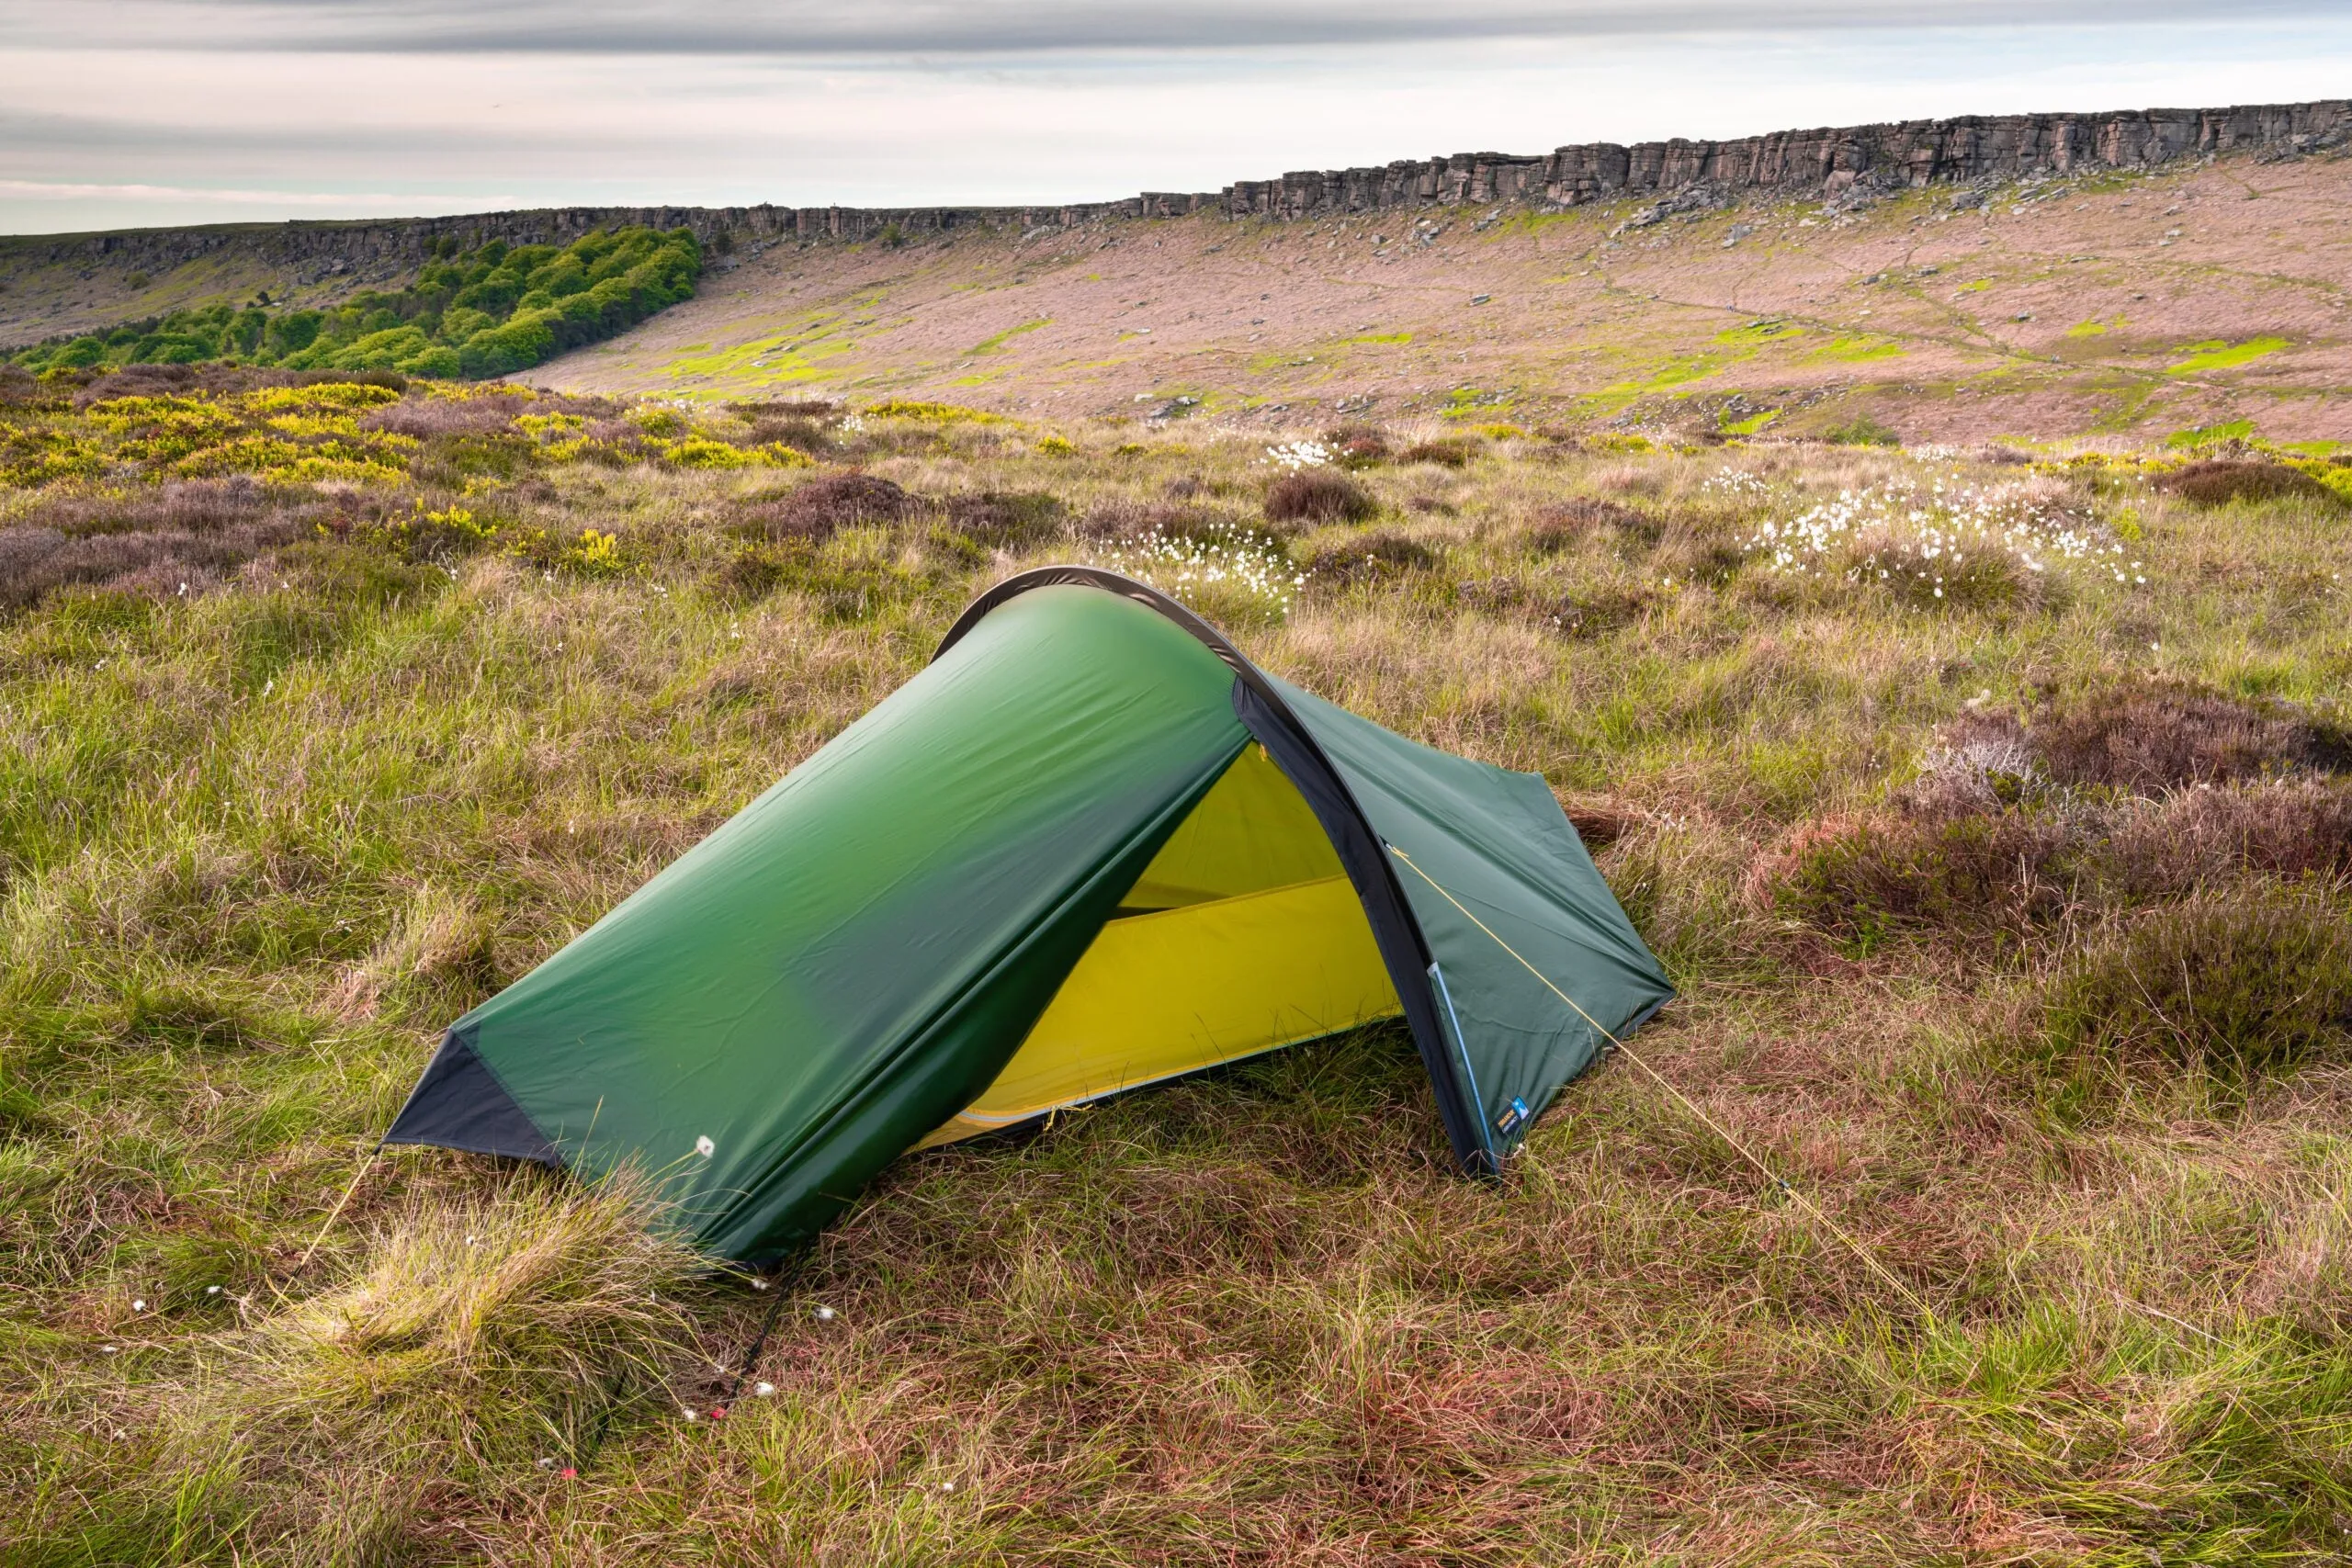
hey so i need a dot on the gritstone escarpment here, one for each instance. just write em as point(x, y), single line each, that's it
point(1832, 163)
point(1799, 162)
point(1954, 279)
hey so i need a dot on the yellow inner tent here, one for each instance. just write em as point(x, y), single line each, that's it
point(1242, 935)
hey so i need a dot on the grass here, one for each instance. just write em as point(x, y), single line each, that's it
point(1988, 910)
point(991, 345)
point(2219, 355)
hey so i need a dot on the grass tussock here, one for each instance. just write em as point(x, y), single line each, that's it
point(2229, 985)
point(2009, 925)
point(483, 1346)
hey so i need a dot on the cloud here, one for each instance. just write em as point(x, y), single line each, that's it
point(340, 200)
point(809, 28)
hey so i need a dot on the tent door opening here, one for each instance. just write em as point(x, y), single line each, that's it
point(1242, 935)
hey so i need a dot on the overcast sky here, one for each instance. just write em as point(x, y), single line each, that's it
point(119, 112)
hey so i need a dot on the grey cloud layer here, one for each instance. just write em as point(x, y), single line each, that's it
point(807, 28)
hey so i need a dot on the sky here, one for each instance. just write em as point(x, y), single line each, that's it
point(123, 113)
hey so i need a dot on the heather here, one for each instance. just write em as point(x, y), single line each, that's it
point(2010, 922)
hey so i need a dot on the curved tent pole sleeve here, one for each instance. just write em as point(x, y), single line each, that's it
point(1403, 949)
point(1110, 582)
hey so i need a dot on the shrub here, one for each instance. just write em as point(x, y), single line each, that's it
point(1006, 518)
point(808, 436)
point(1124, 519)
point(2230, 983)
point(427, 417)
point(1317, 495)
point(1860, 879)
point(194, 507)
point(2220, 481)
point(150, 540)
point(2148, 737)
point(1357, 446)
point(806, 425)
point(1369, 557)
point(440, 535)
point(35, 562)
point(1862, 431)
point(1564, 524)
point(702, 452)
point(1451, 454)
point(929, 413)
point(2201, 837)
point(824, 506)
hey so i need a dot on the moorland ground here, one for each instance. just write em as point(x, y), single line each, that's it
point(2120, 302)
point(1989, 809)
point(2129, 302)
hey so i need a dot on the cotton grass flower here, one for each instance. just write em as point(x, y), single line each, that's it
point(1921, 539)
point(1232, 560)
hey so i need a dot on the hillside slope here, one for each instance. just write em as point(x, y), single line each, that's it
point(2117, 301)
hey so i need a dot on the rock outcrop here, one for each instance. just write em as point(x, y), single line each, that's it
point(1830, 163)
point(1805, 163)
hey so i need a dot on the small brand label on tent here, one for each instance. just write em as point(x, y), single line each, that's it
point(1513, 1116)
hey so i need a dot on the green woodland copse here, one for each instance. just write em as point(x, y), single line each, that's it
point(489, 311)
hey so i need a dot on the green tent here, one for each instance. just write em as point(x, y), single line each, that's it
point(1091, 847)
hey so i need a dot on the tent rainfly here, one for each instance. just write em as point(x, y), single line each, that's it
point(1088, 848)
